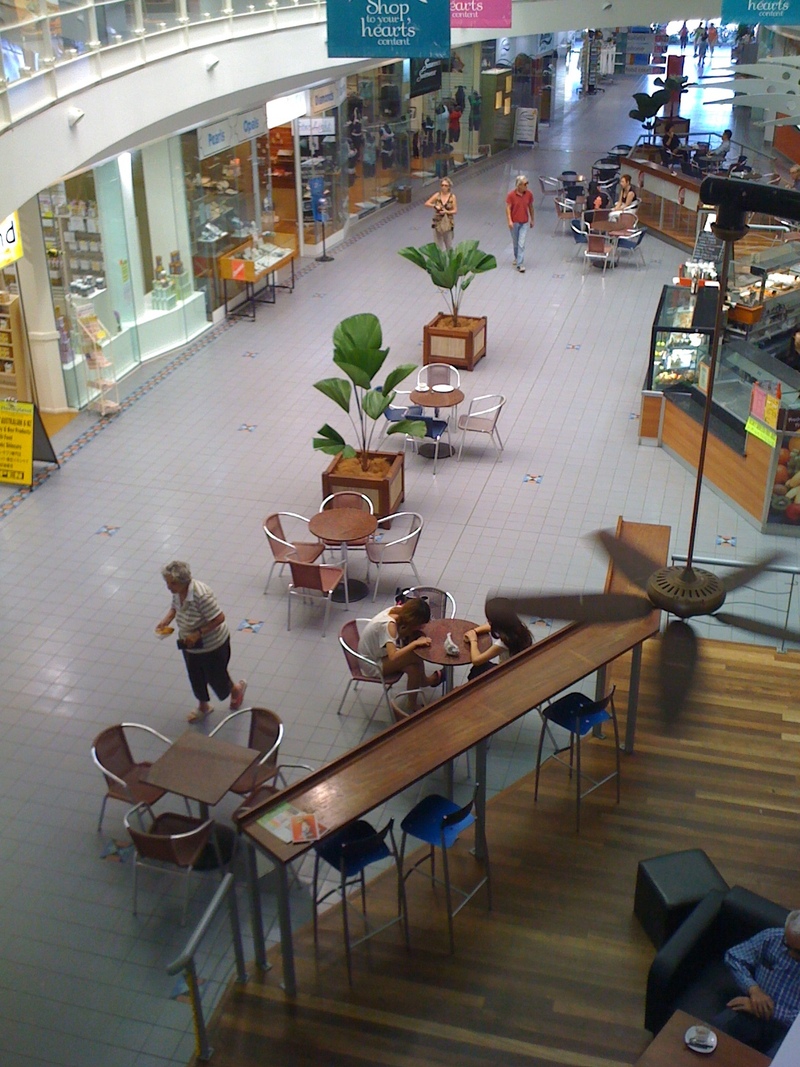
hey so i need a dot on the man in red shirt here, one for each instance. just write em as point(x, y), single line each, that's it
point(519, 213)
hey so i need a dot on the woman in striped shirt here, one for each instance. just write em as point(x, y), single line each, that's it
point(203, 637)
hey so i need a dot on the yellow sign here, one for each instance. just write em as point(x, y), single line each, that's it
point(16, 442)
point(10, 240)
point(771, 409)
point(762, 432)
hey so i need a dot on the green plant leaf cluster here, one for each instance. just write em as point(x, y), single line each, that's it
point(452, 270)
point(648, 106)
point(359, 354)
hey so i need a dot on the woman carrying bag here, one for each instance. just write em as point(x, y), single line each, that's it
point(444, 209)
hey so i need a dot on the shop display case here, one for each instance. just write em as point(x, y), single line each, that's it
point(762, 307)
point(681, 337)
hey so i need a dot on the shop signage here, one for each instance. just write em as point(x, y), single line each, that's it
point(426, 76)
point(10, 240)
point(389, 29)
point(786, 12)
point(316, 127)
point(762, 432)
point(223, 135)
point(326, 96)
point(480, 14)
point(16, 442)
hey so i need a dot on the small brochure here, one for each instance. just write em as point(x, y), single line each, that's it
point(292, 825)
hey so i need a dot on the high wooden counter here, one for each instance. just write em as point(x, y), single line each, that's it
point(385, 765)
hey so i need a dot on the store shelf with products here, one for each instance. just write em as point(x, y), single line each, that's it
point(91, 338)
point(764, 307)
point(256, 260)
point(74, 245)
point(13, 366)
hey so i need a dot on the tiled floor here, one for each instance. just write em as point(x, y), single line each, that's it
point(83, 982)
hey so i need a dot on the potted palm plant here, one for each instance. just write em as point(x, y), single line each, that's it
point(453, 338)
point(358, 353)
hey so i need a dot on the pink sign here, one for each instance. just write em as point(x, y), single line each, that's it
point(480, 14)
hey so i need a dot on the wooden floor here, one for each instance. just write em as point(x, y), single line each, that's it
point(556, 973)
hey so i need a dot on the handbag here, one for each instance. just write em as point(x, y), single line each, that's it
point(443, 223)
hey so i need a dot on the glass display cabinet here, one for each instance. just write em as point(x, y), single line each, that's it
point(683, 329)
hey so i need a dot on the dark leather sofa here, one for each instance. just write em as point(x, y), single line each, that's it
point(688, 972)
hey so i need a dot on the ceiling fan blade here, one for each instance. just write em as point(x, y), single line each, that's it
point(744, 576)
point(753, 626)
point(577, 607)
point(676, 667)
point(635, 565)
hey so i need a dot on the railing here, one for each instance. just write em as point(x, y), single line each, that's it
point(185, 962)
point(773, 568)
point(68, 46)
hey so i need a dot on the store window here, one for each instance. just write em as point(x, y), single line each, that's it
point(119, 258)
point(378, 137)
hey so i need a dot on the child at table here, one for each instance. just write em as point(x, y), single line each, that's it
point(510, 636)
point(390, 640)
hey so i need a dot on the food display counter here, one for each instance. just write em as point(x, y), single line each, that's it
point(258, 260)
point(753, 452)
point(761, 307)
point(681, 337)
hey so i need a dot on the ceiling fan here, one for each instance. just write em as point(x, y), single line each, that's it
point(683, 591)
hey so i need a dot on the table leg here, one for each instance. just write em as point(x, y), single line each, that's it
point(449, 768)
point(480, 799)
point(256, 918)
point(350, 588)
point(633, 698)
point(285, 922)
point(599, 693)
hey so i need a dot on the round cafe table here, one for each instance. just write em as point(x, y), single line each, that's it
point(437, 630)
point(340, 526)
point(432, 398)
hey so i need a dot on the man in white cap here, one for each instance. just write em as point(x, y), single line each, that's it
point(519, 213)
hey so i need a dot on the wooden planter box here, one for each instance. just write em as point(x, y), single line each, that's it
point(386, 494)
point(460, 346)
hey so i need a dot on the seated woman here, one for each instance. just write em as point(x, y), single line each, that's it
point(390, 639)
point(510, 636)
point(673, 147)
point(596, 200)
point(627, 194)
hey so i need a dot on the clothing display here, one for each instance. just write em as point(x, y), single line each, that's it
point(442, 123)
point(387, 146)
point(454, 126)
point(475, 103)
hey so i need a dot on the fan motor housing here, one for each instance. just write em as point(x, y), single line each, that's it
point(686, 591)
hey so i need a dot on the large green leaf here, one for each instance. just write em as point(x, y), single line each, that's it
point(411, 427)
point(332, 442)
point(357, 348)
point(397, 375)
point(374, 403)
point(336, 389)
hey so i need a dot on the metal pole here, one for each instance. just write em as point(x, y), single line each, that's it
point(715, 347)
point(202, 1047)
point(786, 619)
point(256, 918)
point(236, 935)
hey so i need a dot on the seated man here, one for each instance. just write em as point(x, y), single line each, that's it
point(766, 969)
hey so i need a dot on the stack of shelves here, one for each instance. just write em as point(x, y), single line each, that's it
point(89, 337)
point(13, 377)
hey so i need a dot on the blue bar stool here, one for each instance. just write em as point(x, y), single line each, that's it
point(438, 822)
point(350, 851)
point(579, 714)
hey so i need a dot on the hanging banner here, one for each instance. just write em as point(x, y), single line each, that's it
point(773, 12)
point(426, 76)
point(389, 29)
point(480, 14)
point(10, 240)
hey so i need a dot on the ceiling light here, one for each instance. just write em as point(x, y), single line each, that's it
point(74, 115)
point(210, 61)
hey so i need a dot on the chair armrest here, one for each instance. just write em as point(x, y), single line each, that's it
point(680, 959)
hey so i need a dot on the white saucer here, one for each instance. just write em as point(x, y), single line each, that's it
point(422, 389)
point(443, 388)
point(691, 1036)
